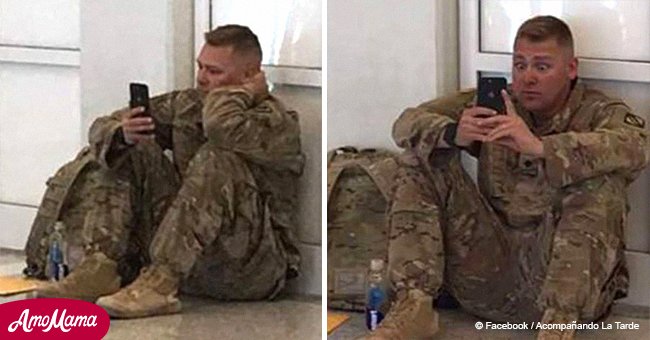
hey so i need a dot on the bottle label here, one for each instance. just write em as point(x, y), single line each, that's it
point(373, 320)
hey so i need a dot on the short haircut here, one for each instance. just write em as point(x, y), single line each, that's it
point(542, 28)
point(241, 38)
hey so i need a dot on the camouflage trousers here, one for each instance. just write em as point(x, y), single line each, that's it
point(213, 227)
point(445, 234)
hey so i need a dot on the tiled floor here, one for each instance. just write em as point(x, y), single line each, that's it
point(455, 324)
point(292, 318)
point(288, 318)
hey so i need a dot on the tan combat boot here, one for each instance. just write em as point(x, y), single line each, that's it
point(411, 317)
point(553, 316)
point(95, 276)
point(152, 293)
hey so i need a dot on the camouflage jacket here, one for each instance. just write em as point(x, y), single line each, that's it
point(261, 131)
point(593, 136)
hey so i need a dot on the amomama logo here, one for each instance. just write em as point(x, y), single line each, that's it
point(52, 319)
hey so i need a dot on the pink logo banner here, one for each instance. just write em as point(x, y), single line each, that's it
point(52, 319)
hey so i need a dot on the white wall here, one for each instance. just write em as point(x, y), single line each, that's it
point(382, 58)
point(124, 41)
point(39, 105)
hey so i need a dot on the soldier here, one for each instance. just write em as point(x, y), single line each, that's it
point(217, 220)
point(541, 237)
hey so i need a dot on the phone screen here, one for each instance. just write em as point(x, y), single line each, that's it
point(139, 97)
point(489, 93)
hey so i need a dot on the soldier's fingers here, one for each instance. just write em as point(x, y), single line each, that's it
point(510, 107)
point(136, 122)
point(487, 122)
point(136, 110)
point(140, 128)
point(140, 120)
point(499, 132)
point(139, 137)
point(260, 77)
point(476, 129)
point(499, 129)
point(478, 111)
point(496, 120)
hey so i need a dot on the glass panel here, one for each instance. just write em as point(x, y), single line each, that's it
point(39, 127)
point(601, 29)
point(289, 30)
point(52, 23)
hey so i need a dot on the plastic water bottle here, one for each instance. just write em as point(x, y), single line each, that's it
point(58, 268)
point(376, 295)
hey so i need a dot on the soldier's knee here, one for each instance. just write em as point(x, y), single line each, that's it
point(210, 165)
point(216, 177)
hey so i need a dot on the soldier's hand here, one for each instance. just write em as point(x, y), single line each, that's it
point(257, 85)
point(137, 129)
point(511, 131)
point(472, 125)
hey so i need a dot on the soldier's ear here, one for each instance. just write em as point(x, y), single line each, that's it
point(251, 69)
point(573, 68)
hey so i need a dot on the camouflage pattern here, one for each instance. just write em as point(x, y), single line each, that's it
point(358, 190)
point(213, 197)
point(58, 187)
point(552, 316)
point(536, 233)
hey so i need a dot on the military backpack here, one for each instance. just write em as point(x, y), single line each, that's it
point(359, 184)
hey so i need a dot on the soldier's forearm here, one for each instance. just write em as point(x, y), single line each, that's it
point(420, 131)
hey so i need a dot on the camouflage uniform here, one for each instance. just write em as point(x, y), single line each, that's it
point(221, 214)
point(536, 233)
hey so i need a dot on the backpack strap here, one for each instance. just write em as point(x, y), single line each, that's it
point(335, 167)
point(379, 165)
point(383, 174)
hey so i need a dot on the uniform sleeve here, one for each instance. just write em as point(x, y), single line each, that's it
point(262, 131)
point(619, 143)
point(419, 129)
point(107, 141)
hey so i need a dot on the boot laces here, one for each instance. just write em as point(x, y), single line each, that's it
point(152, 278)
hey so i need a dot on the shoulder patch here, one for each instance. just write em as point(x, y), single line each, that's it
point(633, 120)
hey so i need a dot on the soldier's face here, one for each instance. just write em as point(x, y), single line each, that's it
point(541, 75)
point(218, 66)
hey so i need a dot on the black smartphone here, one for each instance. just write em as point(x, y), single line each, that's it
point(139, 97)
point(489, 93)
